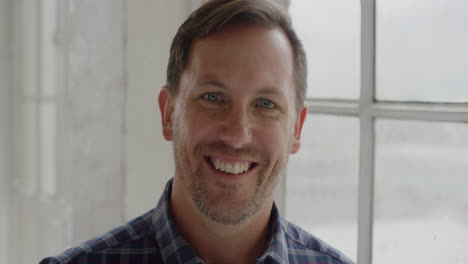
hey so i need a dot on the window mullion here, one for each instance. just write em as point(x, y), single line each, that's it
point(333, 107)
point(442, 112)
point(426, 111)
point(366, 163)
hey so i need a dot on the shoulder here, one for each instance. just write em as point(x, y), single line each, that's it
point(135, 239)
point(305, 246)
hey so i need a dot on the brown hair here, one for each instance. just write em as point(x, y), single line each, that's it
point(214, 15)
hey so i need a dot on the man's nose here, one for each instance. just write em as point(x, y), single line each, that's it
point(236, 131)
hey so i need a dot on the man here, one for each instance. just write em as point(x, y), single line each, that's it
point(234, 108)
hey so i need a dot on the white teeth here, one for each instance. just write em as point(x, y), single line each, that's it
point(229, 168)
point(235, 168)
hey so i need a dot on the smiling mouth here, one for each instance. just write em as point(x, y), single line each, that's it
point(230, 167)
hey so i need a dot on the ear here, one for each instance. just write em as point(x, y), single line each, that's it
point(166, 106)
point(296, 145)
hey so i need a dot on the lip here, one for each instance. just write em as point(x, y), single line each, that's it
point(230, 158)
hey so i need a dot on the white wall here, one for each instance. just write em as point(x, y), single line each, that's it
point(151, 24)
point(89, 196)
point(5, 146)
point(94, 103)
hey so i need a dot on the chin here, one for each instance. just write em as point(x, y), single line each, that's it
point(228, 207)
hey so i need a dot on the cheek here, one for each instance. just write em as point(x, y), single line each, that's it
point(274, 137)
point(197, 125)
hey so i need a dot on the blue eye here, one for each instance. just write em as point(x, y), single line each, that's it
point(264, 103)
point(213, 97)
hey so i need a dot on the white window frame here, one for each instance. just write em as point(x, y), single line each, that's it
point(368, 109)
point(35, 185)
point(6, 124)
point(33, 24)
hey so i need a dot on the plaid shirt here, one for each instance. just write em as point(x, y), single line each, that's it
point(153, 238)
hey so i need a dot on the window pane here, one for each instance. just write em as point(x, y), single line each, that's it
point(330, 31)
point(421, 50)
point(421, 198)
point(322, 181)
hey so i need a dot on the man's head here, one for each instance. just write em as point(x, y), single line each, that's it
point(215, 15)
point(231, 106)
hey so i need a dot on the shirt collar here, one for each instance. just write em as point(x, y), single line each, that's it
point(277, 248)
point(175, 249)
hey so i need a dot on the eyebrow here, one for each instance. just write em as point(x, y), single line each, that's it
point(267, 90)
point(270, 90)
point(213, 83)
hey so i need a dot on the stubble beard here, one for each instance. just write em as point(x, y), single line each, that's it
point(229, 211)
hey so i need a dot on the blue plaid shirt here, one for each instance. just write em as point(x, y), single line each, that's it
point(153, 238)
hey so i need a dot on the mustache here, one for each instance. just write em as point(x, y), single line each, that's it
point(220, 147)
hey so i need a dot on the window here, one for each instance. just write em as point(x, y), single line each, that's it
point(383, 166)
point(420, 192)
point(422, 53)
point(37, 66)
point(37, 207)
point(322, 180)
point(330, 32)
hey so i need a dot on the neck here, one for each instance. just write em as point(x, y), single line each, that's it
point(214, 242)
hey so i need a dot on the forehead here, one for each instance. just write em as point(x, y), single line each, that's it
point(242, 54)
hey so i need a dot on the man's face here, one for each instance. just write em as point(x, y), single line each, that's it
point(233, 121)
